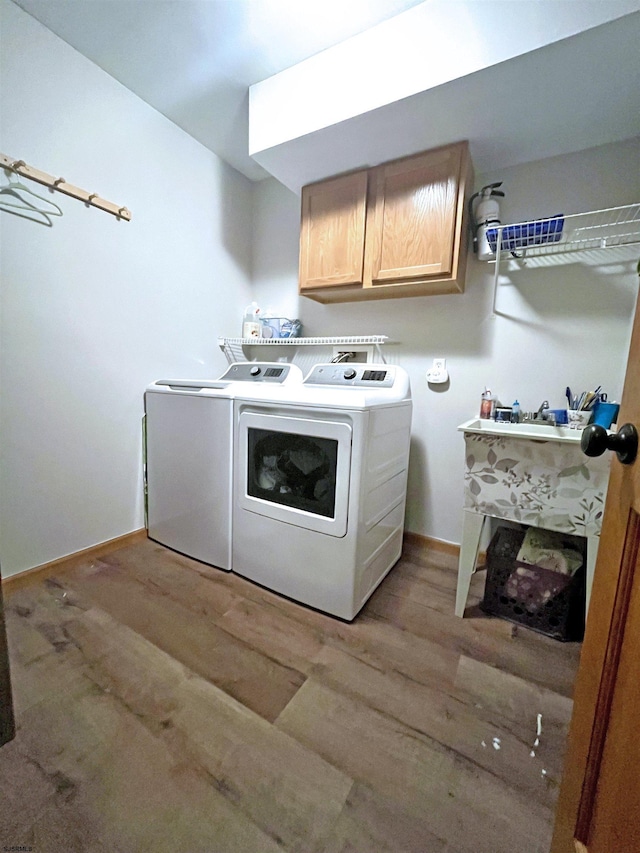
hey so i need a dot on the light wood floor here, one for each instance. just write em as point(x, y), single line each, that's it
point(163, 705)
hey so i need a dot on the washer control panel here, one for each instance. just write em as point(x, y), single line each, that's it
point(350, 375)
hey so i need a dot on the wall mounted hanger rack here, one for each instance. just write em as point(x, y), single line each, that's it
point(59, 184)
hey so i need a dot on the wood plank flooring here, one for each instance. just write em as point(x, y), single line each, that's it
point(164, 705)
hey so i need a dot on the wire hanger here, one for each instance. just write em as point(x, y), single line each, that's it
point(33, 216)
point(14, 188)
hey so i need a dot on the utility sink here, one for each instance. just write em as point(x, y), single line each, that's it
point(534, 474)
point(540, 432)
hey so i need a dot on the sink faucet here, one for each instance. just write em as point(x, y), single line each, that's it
point(541, 416)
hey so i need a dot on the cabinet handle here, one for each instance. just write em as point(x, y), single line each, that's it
point(595, 440)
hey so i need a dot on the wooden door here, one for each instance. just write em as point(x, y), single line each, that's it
point(7, 726)
point(599, 804)
point(332, 232)
point(415, 215)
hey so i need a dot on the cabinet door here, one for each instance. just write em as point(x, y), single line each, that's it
point(414, 217)
point(332, 232)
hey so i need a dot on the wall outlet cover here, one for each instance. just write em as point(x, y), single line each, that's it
point(438, 374)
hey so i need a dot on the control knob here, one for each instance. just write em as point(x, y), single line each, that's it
point(255, 371)
point(349, 373)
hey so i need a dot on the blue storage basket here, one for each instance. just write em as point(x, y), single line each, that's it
point(526, 234)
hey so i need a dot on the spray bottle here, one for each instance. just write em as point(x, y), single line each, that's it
point(251, 321)
point(487, 405)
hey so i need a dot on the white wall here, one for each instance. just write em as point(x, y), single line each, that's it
point(94, 309)
point(567, 325)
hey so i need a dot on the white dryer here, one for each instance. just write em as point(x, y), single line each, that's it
point(189, 457)
point(320, 484)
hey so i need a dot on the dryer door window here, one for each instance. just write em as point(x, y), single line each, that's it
point(293, 470)
point(296, 470)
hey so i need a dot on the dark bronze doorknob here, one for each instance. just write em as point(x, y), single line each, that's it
point(595, 440)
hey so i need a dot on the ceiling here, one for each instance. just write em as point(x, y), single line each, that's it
point(577, 93)
point(194, 60)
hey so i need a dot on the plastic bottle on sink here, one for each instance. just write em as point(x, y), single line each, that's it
point(487, 405)
point(515, 413)
point(251, 321)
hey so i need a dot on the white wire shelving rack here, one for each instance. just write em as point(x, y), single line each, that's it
point(599, 236)
point(234, 348)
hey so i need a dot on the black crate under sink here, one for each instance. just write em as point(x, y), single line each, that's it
point(544, 600)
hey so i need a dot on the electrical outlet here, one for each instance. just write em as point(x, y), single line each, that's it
point(437, 374)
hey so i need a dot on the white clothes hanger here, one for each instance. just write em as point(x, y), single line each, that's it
point(14, 188)
point(24, 213)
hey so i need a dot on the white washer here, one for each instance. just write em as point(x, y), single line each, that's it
point(189, 457)
point(320, 485)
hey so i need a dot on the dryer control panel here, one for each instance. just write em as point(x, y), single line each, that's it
point(350, 375)
point(262, 371)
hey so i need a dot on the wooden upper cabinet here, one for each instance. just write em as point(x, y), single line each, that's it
point(412, 216)
point(332, 232)
point(414, 242)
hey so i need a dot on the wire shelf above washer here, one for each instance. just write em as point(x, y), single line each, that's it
point(233, 348)
point(301, 342)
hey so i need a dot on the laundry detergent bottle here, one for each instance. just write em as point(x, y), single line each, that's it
point(251, 321)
